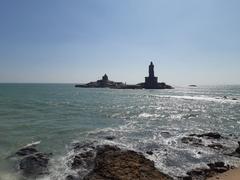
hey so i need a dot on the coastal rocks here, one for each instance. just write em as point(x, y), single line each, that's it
point(210, 135)
point(114, 163)
point(149, 152)
point(83, 146)
point(216, 146)
point(204, 173)
point(234, 99)
point(31, 162)
point(71, 177)
point(27, 150)
point(110, 138)
point(166, 134)
point(192, 141)
point(83, 160)
point(111, 162)
point(206, 139)
point(228, 98)
point(238, 149)
point(34, 165)
point(236, 153)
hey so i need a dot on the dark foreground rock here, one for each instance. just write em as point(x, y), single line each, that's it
point(210, 135)
point(31, 162)
point(216, 146)
point(110, 162)
point(26, 151)
point(34, 165)
point(204, 173)
point(83, 160)
point(199, 140)
point(236, 153)
point(192, 141)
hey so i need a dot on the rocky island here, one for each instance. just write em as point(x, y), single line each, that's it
point(151, 82)
point(102, 83)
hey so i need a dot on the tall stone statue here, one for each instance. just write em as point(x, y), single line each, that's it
point(151, 82)
point(151, 70)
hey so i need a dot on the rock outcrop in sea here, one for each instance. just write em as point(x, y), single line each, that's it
point(103, 83)
point(151, 82)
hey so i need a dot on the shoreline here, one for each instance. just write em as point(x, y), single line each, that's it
point(103, 161)
point(233, 174)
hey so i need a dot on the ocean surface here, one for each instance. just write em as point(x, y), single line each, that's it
point(57, 115)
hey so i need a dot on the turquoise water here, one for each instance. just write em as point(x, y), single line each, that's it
point(59, 114)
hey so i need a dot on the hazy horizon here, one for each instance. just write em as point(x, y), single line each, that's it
point(61, 41)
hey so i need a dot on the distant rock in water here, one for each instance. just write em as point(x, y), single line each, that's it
point(151, 82)
point(103, 83)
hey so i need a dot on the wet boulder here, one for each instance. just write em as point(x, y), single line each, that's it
point(204, 173)
point(216, 146)
point(84, 159)
point(26, 151)
point(83, 146)
point(238, 148)
point(113, 163)
point(166, 134)
point(192, 141)
point(30, 162)
point(236, 153)
point(34, 165)
point(149, 152)
point(110, 138)
point(71, 177)
point(210, 135)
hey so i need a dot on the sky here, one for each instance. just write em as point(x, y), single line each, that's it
point(77, 41)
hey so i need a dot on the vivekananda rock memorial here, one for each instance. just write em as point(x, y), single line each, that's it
point(151, 82)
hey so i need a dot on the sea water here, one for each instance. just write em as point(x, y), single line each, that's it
point(56, 115)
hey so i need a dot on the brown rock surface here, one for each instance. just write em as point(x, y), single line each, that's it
point(114, 163)
point(204, 173)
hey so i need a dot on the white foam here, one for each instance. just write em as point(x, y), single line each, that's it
point(33, 143)
point(146, 115)
point(7, 176)
point(203, 98)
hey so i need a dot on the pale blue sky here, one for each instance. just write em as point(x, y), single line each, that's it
point(189, 41)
